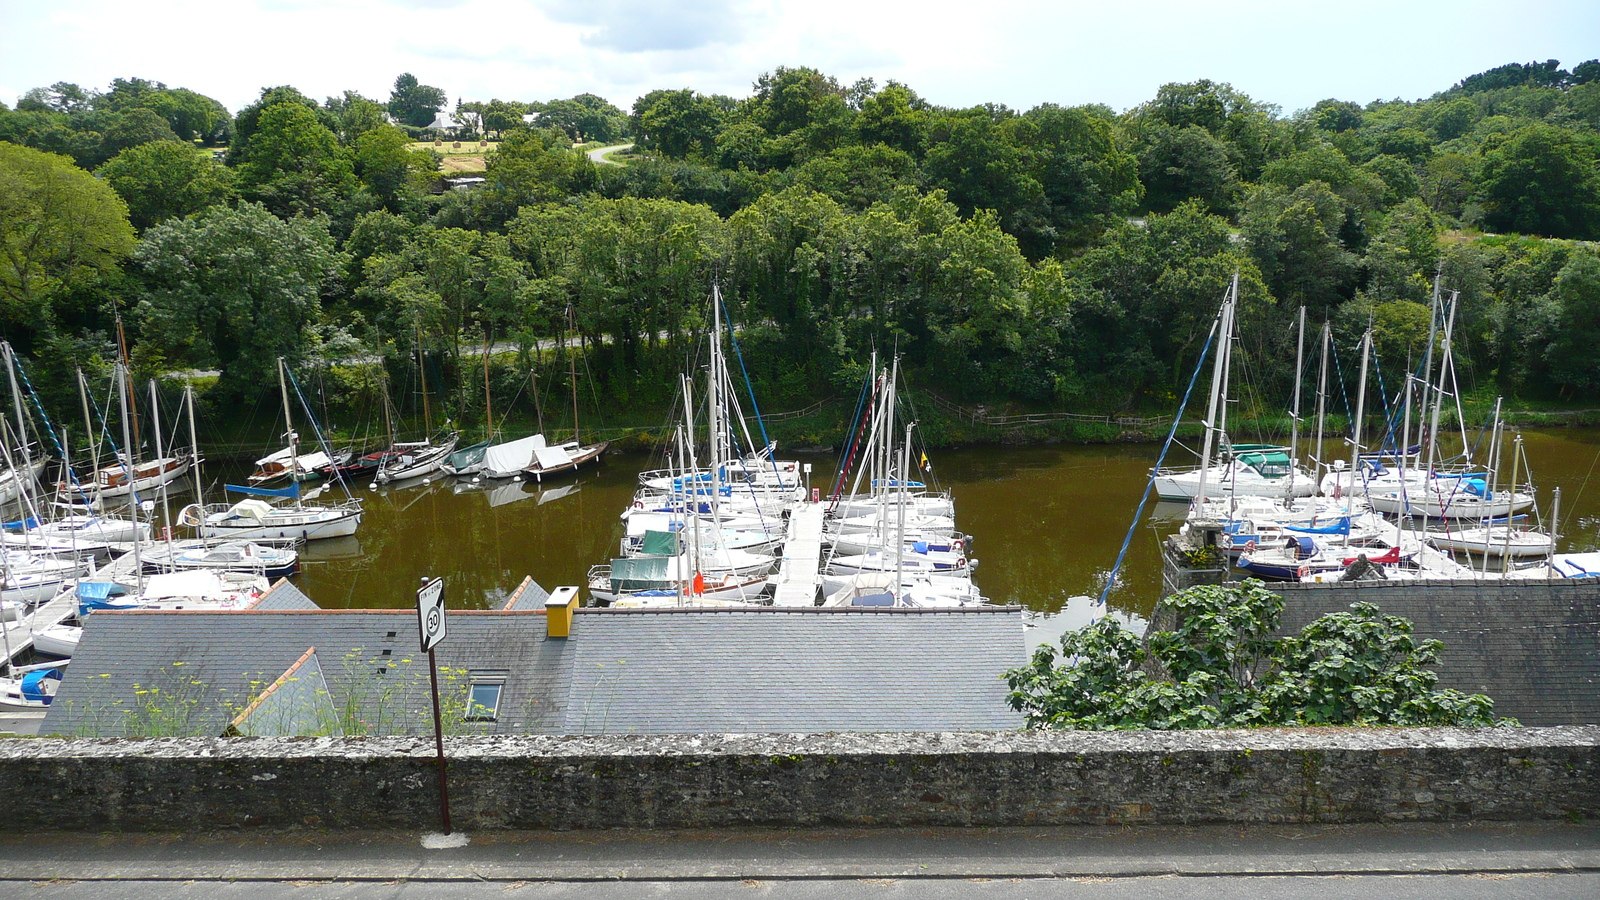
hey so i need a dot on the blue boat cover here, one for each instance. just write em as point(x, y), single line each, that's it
point(1340, 527)
point(1306, 548)
point(32, 684)
point(100, 590)
point(30, 522)
point(919, 547)
point(884, 599)
point(293, 490)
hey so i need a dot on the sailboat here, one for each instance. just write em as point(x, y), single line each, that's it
point(253, 518)
point(568, 457)
point(1253, 470)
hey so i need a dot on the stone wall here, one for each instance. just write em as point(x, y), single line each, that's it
point(1319, 775)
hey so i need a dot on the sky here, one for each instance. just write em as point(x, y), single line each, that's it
point(1013, 52)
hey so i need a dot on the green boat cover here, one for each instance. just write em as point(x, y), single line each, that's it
point(1270, 463)
point(641, 573)
point(659, 543)
point(468, 456)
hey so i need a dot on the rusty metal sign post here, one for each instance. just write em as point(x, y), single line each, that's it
point(431, 624)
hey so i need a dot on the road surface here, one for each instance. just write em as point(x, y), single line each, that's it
point(599, 155)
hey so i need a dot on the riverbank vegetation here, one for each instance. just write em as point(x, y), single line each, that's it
point(1049, 261)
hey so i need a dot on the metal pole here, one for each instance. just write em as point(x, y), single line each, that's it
point(1555, 522)
point(1294, 417)
point(161, 463)
point(1361, 410)
point(133, 487)
point(438, 737)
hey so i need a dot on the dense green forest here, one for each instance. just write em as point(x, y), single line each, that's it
point(1066, 258)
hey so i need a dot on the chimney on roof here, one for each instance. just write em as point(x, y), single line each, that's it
point(558, 608)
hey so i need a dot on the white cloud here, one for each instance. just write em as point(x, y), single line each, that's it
point(1003, 51)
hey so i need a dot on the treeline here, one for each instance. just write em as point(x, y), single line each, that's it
point(1064, 256)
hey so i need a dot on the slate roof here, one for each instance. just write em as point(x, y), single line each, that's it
point(1532, 646)
point(210, 665)
point(622, 671)
point(792, 670)
point(284, 595)
point(528, 597)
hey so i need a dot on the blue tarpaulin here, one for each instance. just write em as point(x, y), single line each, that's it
point(293, 490)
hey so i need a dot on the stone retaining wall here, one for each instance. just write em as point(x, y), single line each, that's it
point(1315, 775)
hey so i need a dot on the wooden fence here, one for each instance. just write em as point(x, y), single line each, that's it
point(981, 416)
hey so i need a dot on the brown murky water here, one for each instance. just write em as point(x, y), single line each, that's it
point(1048, 522)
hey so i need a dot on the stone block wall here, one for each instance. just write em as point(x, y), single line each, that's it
point(979, 779)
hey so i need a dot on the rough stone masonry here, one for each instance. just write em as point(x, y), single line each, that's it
point(979, 779)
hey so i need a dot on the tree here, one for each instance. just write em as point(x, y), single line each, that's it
point(356, 116)
point(674, 123)
point(1542, 180)
point(979, 157)
point(165, 180)
point(295, 165)
point(59, 227)
point(1083, 166)
point(191, 116)
point(388, 166)
point(234, 288)
point(135, 127)
point(1294, 237)
point(585, 117)
point(414, 103)
point(61, 97)
point(1222, 667)
point(249, 119)
point(1574, 366)
point(1187, 163)
point(896, 117)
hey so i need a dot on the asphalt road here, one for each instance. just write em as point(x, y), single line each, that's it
point(598, 155)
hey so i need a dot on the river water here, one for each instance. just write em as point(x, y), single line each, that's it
point(1048, 524)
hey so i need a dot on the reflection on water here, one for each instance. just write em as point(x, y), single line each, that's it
point(1048, 522)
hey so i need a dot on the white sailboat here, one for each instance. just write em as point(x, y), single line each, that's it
point(252, 518)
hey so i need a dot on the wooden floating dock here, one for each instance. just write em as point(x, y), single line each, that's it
point(798, 577)
point(19, 634)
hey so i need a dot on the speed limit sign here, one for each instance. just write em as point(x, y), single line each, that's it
point(430, 613)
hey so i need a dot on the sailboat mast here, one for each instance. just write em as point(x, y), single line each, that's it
point(422, 373)
point(1227, 369)
point(161, 465)
point(25, 476)
point(88, 427)
point(294, 439)
point(488, 404)
point(714, 397)
point(132, 405)
point(1438, 391)
point(1294, 417)
point(1223, 332)
point(383, 386)
point(1322, 390)
point(133, 490)
point(1361, 412)
point(572, 373)
point(1511, 505)
point(194, 441)
point(1427, 365)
